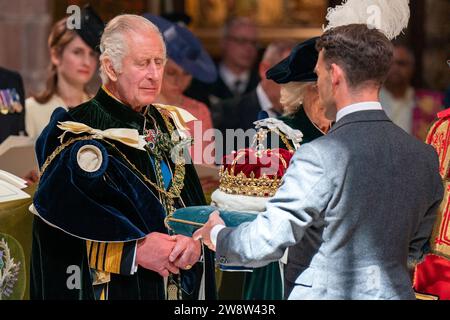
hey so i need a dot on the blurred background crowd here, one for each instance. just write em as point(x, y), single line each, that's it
point(244, 38)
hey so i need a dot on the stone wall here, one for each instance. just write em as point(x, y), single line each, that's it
point(24, 27)
point(436, 72)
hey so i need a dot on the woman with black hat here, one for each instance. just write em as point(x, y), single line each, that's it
point(299, 96)
point(73, 63)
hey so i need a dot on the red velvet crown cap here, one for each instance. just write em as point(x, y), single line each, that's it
point(271, 163)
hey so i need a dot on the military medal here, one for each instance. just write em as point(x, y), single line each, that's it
point(150, 137)
point(8, 100)
point(17, 106)
point(3, 107)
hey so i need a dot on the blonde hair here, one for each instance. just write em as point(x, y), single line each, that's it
point(292, 95)
point(113, 44)
point(60, 36)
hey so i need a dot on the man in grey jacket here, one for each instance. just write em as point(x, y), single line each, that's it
point(357, 206)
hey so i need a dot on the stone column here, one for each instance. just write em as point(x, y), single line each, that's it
point(24, 27)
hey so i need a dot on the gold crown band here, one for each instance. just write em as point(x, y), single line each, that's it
point(248, 186)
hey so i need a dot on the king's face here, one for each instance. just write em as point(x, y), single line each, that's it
point(139, 82)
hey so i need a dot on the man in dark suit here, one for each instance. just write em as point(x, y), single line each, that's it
point(12, 101)
point(356, 207)
point(240, 112)
point(236, 71)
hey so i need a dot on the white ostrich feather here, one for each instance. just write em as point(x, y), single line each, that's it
point(388, 16)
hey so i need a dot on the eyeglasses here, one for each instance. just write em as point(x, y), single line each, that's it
point(243, 41)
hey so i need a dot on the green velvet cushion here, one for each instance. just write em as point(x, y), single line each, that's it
point(186, 220)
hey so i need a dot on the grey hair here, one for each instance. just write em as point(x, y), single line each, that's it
point(275, 51)
point(292, 95)
point(113, 44)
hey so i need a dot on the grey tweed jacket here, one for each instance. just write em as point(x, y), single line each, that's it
point(355, 208)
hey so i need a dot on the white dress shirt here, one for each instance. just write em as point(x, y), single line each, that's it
point(215, 232)
point(230, 79)
point(361, 106)
point(264, 101)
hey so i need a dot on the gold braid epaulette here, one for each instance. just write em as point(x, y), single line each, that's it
point(59, 149)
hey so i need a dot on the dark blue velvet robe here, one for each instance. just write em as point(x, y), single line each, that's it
point(112, 204)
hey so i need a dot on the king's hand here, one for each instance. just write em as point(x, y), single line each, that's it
point(153, 253)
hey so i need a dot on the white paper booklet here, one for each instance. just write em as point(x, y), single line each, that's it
point(12, 179)
point(10, 187)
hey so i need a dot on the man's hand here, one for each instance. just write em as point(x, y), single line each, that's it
point(153, 253)
point(32, 177)
point(204, 232)
point(185, 253)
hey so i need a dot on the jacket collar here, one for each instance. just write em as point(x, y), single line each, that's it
point(118, 110)
point(361, 116)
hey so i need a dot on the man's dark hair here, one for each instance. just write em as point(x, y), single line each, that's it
point(365, 54)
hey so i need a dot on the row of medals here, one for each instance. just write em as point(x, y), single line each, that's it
point(10, 101)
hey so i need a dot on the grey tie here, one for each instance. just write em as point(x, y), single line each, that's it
point(237, 88)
